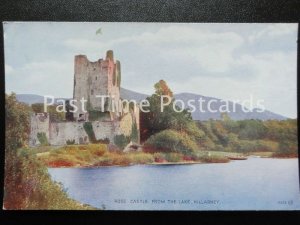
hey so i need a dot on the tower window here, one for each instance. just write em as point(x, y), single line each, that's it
point(96, 78)
point(92, 92)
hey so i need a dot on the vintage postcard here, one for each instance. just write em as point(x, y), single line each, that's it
point(151, 116)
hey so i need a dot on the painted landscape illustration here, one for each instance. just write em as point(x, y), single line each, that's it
point(151, 116)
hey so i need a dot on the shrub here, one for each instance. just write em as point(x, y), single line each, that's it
point(159, 157)
point(103, 141)
point(141, 158)
point(215, 159)
point(246, 146)
point(193, 130)
point(121, 141)
point(287, 149)
point(251, 129)
point(267, 146)
point(29, 186)
point(70, 142)
point(42, 138)
point(171, 141)
point(118, 159)
point(74, 155)
point(104, 161)
point(173, 157)
point(134, 132)
point(97, 150)
point(88, 127)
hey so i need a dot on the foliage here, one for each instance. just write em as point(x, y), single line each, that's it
point(17, 123)
point(171, 141)
point(88, 127)
point(42, 138)
point(161, 88)
point(29, 186)
point(73, 155)
point(157, 120)
point(103, 141)
point(166, 131)
point(213, 156)
point(91, 155)
point(121, 141)
point(286, 150)
point(250, 136)
point(251, 129)
point(173, 157)
point(140, 158)
point(70, 142)
point(281, 130)
point(94, 155)
point(134, 132)
point(215, 159)
point(159, 157)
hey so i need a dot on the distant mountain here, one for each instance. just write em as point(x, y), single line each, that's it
point(132, 95)
point(31, 99)
point(239, 114)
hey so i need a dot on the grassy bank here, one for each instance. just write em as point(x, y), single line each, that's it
point(29, 186)
point(284, 155)
point(91, 155)
point(94, 155)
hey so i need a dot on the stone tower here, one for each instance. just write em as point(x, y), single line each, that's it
point(102, 77)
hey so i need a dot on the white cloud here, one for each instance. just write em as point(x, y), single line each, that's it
point(210, 50)
point(8, 69)
point(44, 78)
point(275, 83)
point(273, 30)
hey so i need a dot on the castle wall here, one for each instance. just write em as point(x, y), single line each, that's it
point(104, 130)
point(60, 133)
point(39, 124)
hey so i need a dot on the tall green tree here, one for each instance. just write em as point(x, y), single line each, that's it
point(17, 130)
point(157, 120)
point(17, 123)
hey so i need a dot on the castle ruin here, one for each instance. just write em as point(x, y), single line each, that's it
point(100, 121)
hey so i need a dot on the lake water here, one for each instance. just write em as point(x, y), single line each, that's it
point(253, 184)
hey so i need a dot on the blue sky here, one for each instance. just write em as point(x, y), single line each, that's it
point(228, 61)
